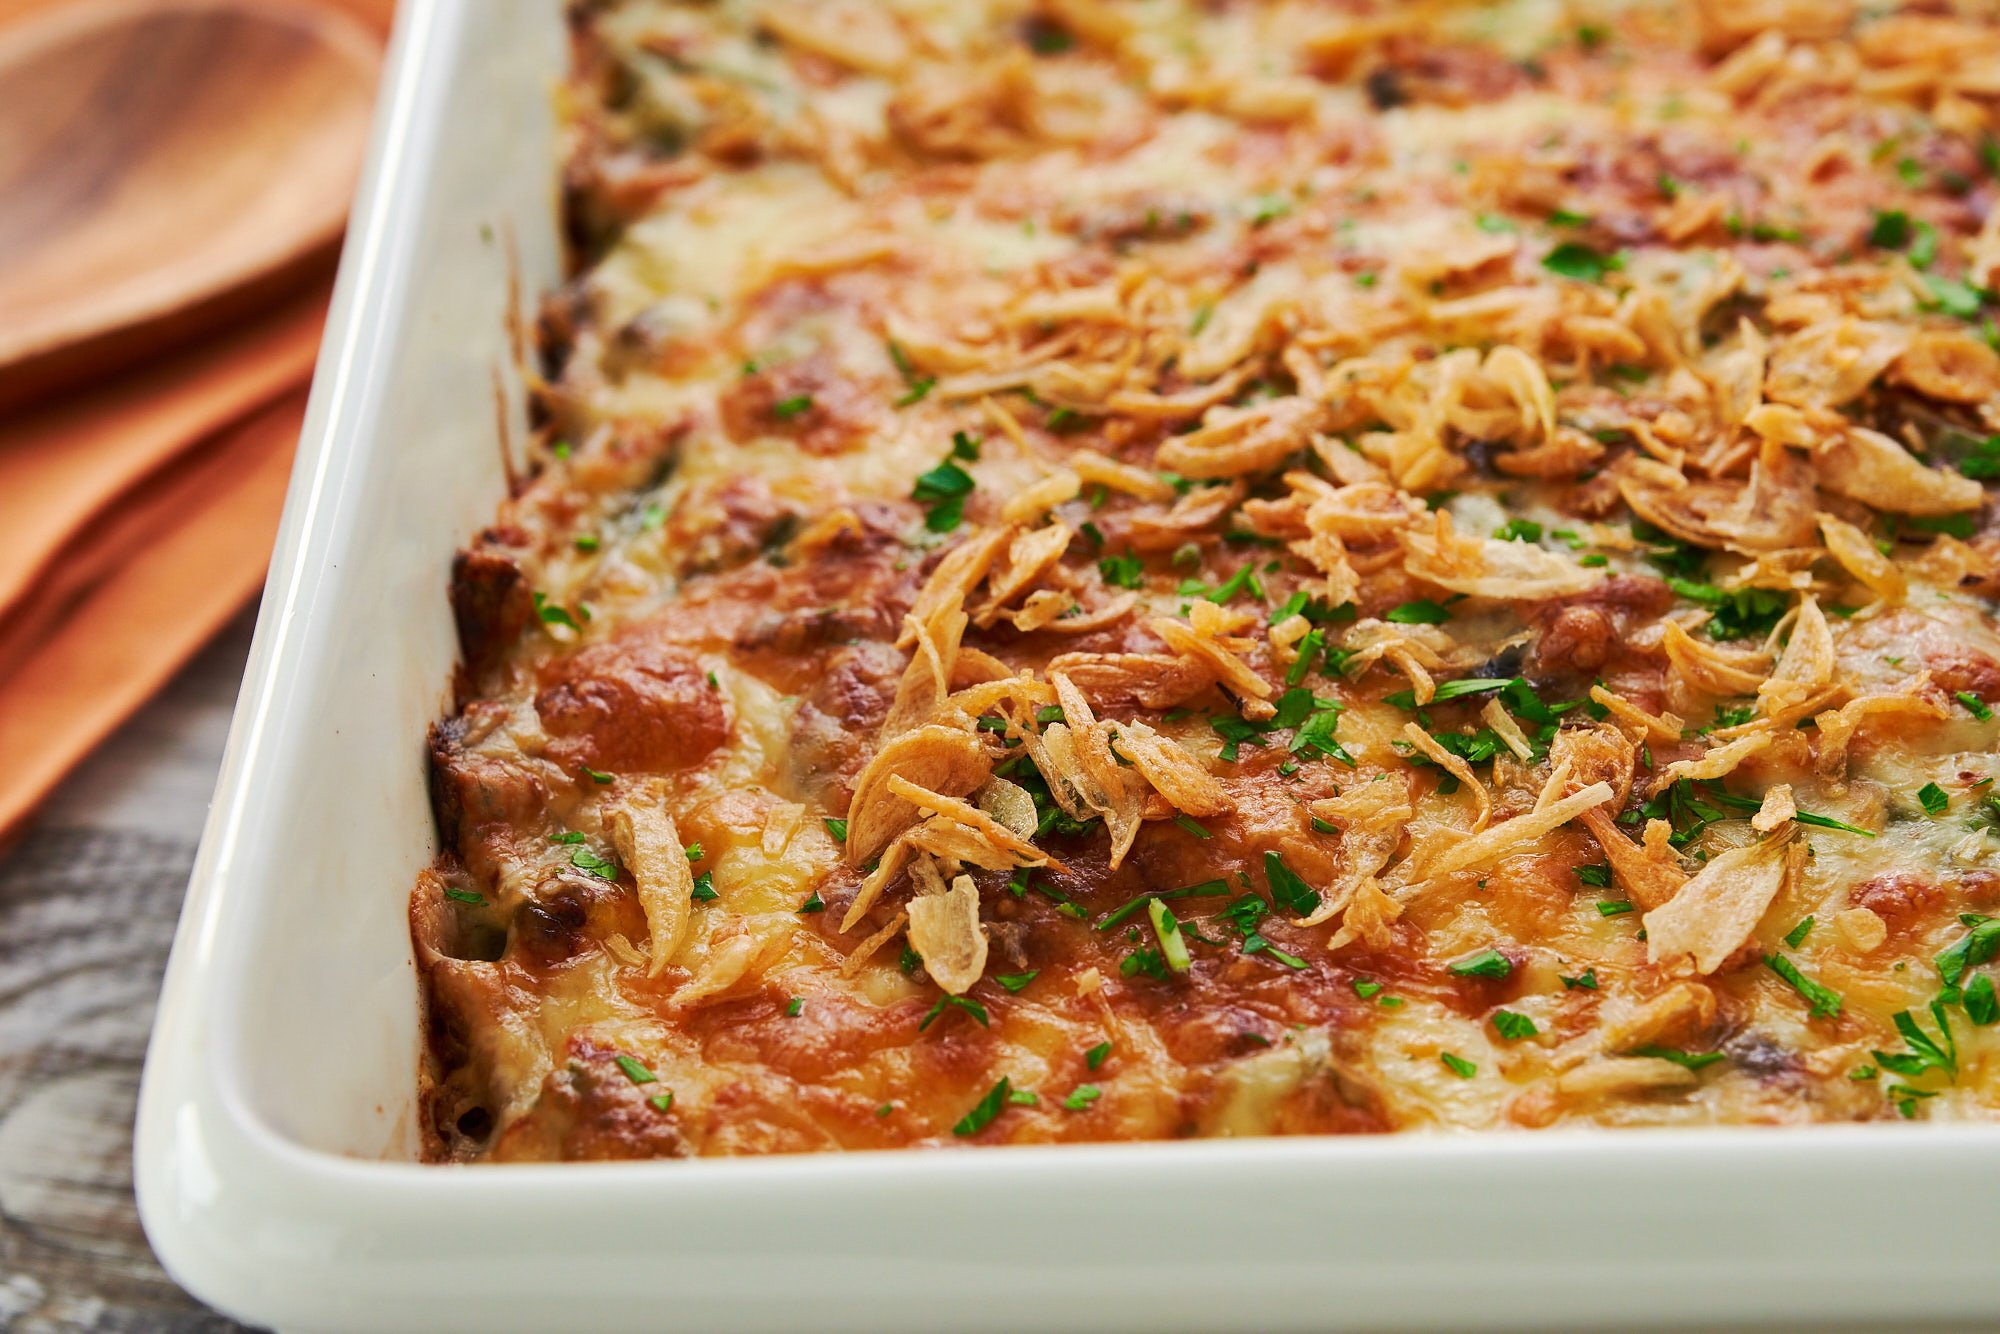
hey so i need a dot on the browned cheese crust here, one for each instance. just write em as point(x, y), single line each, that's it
point(1105, 570)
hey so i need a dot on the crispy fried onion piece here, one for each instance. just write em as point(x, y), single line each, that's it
point(1204, 640)
point(1169, 768)
point(1414, 650)
point(1950, 366)
point(651, 849)
point(1097, 470)
point(1153, 530)
point(1718, 761)
point(952, 582)
point(961, 830)
point(945, 930)
point(1714, 913)
point(1832, 362)
point(1836, 729)
point(1031, 554)
point(1372, 818)
point(1652, 726)
point(1241, 441)
point(1648, 872)
point(1551, 812)
point(1804, 678)
point(1862, 559)
point(1711, 668)
point(1773, 510)
point(1489, 568)
point(1081, 748)
point(1778, 807)
point(1149, 680)
point(1426, 745)
point(736, 951)
point(1869, 467)
point(1596, 752)
point(950, 760)
point(1010, 804)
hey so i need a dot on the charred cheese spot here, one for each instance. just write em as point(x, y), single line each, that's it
point(631, 704)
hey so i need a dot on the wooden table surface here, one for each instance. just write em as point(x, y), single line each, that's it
point(88, 900)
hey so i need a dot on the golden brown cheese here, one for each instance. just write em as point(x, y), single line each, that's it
point(1115, 569)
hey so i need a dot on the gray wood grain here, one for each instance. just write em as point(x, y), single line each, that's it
point(88, 900)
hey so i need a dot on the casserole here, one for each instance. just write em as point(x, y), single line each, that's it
point(277, 1124)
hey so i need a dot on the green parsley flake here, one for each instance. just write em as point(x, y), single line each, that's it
point(965, 1003)
point(813, 903)
point(1488, 962)
point(595, 776)
point(1513, 1027)
point(634, 1071)
point(661, 1102)
point(1017, 982)
point(1421, 612)
point(1687, 1060)
point(1095, 1056)
point(1982, 1005)
point(1366, 987)
point(1824, 1000)
point(1573, 259)
point(983, 1112)
point(1587, 981)
point(1458, 1065)
point(1933, 798)
point(1126, 571)
point(704, 887)
point(788, 408)
point(836, 827)
point(1797, 935)
point(1173, 945)
point(1192, 826)
point(1975, 706)
point(795, 1007)
point(463, 896)
point(1288, 891)
point(1082, 1096)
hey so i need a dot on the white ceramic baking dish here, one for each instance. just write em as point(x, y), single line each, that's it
point(276, 1134)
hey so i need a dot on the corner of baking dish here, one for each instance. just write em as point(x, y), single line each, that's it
point(276, 1120)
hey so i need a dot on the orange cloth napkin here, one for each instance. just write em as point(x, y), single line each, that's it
point(136, 518)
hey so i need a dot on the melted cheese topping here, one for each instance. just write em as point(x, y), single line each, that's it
point(1112, 569)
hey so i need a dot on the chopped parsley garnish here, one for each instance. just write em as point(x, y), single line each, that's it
point(1982, 1005)
point(704, 887)
point(1458, 1065)
point(1597, 876)
point(1192, 826)
point(587, 542)
point(787, 408)
point(1955, 296)
point(1288, 890)
point(1613, 907)
point(965, 1003)
point(1688, 1060)
point(813, 903)
point(836, 827)
point(1976, 947)
point(944, 489)
point(588, 862)
point(1421, 612)
point(594, 775)
point(661, 1102)
point(1173, 945)
point(551, 614)
point(1205, 889)
point(1738, 613)
point(1824, 1000)
point(1082, 1096)
point(917, 385)
point(1126, 571)
point(694, 852)
point(1573, 259)
point(1017, 982)
point(567, 836)
point(1366, 988)
point(463, 896)
point(1586, 981)
point(1024, 1098)
point(1519, 530)
point(1925, 1052)
point(795, 1007)
point(1488, 962)
point(634, 1071)
point(1095, 1056)
point(1797, 935)
point(1891, 230)
point(983, 1112)
point(1975, 706)
point(1513, 1027)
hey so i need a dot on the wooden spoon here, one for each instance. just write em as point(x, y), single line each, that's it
point(164, 165)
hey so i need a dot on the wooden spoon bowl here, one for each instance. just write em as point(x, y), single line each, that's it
point(165, 164)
